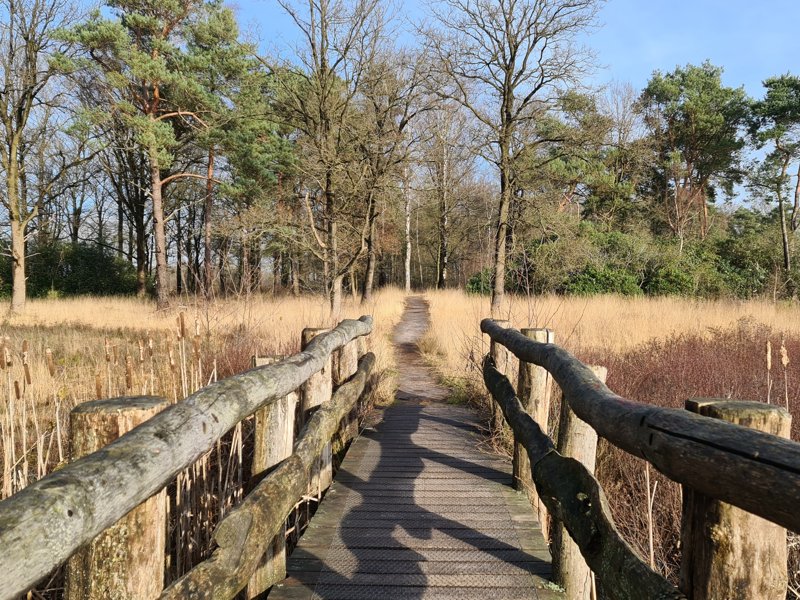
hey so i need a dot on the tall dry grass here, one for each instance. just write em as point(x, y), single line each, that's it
point(657, 350)
point(60, 353)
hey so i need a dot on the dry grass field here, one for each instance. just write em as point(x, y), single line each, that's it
point(60, 353)
point(657, 350)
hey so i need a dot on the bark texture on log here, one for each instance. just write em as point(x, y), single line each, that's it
point(127, 559)
point(573, 496)
point(534, 388)
point(753, 470)
point(244, 534)
point(502, 360)
point(576, 439)
point(42, 525)
point(727, 552)
point(273, 436)
point(315, 392)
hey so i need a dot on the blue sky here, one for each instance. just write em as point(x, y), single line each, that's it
point(751, 39)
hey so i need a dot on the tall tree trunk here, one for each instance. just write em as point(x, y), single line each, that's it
point(208, 274)
point(443, 231)
point(407, 208)
point(354, 284)
point(178, 259)
point(159, 235)
point(332, 250)
point(372, 258)
point(796, 205)
point(19, 290)
point(499, 285)
point(141, 252)
point(336, 297)
point(295, 262)
point(120, 229)
point(19, 284)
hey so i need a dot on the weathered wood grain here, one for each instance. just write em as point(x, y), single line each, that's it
point(43, 524)
point(273, 440)
point(576, 439)
point(727, 552)
point(534, 388)
point(755, 471)
point(126, 560)
point(245, 533)
point(574, 497)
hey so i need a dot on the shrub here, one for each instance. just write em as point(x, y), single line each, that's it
point(604, 280)
point(668, 280)
point(480, 283)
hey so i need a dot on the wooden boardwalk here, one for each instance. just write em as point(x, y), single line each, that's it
point(418, 510)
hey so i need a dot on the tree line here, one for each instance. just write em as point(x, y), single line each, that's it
point(149, 147)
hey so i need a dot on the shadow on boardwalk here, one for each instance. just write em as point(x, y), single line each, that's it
point(417, 510)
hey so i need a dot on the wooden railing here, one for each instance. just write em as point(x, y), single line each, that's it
point(718, 463)
point(44, 524)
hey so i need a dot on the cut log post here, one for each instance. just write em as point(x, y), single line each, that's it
point(576, 439)
point(727, 552)
point(316, 391)
point(345, 365)
point(502, 360)
point(533, 389)
point(273, 440)
point(126, 560)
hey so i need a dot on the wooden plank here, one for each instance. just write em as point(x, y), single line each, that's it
point(534, 388)
point(43, 524)
point(753, 470)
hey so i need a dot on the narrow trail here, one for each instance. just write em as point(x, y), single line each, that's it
point(417, 511)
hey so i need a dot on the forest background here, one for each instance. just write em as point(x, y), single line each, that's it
point(153, 148)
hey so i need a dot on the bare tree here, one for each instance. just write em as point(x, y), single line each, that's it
point(26, 100)
point(505, 61)
point(340, 38)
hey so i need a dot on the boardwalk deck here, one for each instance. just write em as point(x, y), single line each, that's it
point(418, 510)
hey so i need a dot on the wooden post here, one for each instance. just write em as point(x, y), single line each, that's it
point(502, 360)
point(727, 552)
point(345, 365)
point(576, 439)
point(273, 439)
point(127, 559)
point(533, 390)
point(314, 392)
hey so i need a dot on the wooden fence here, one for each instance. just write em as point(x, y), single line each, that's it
point(726, 552)
point(57, 517)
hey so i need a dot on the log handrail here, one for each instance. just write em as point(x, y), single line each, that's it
point(574, 497)
point(244, 534)
point(755, 471)
point(43, 524)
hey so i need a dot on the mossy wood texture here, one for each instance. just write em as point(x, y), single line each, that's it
point(42, 525)
point(573, 497)
point(273, 436)
point(753, 470)
point(243, 536)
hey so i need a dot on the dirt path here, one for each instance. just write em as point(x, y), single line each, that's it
point(416, 379)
